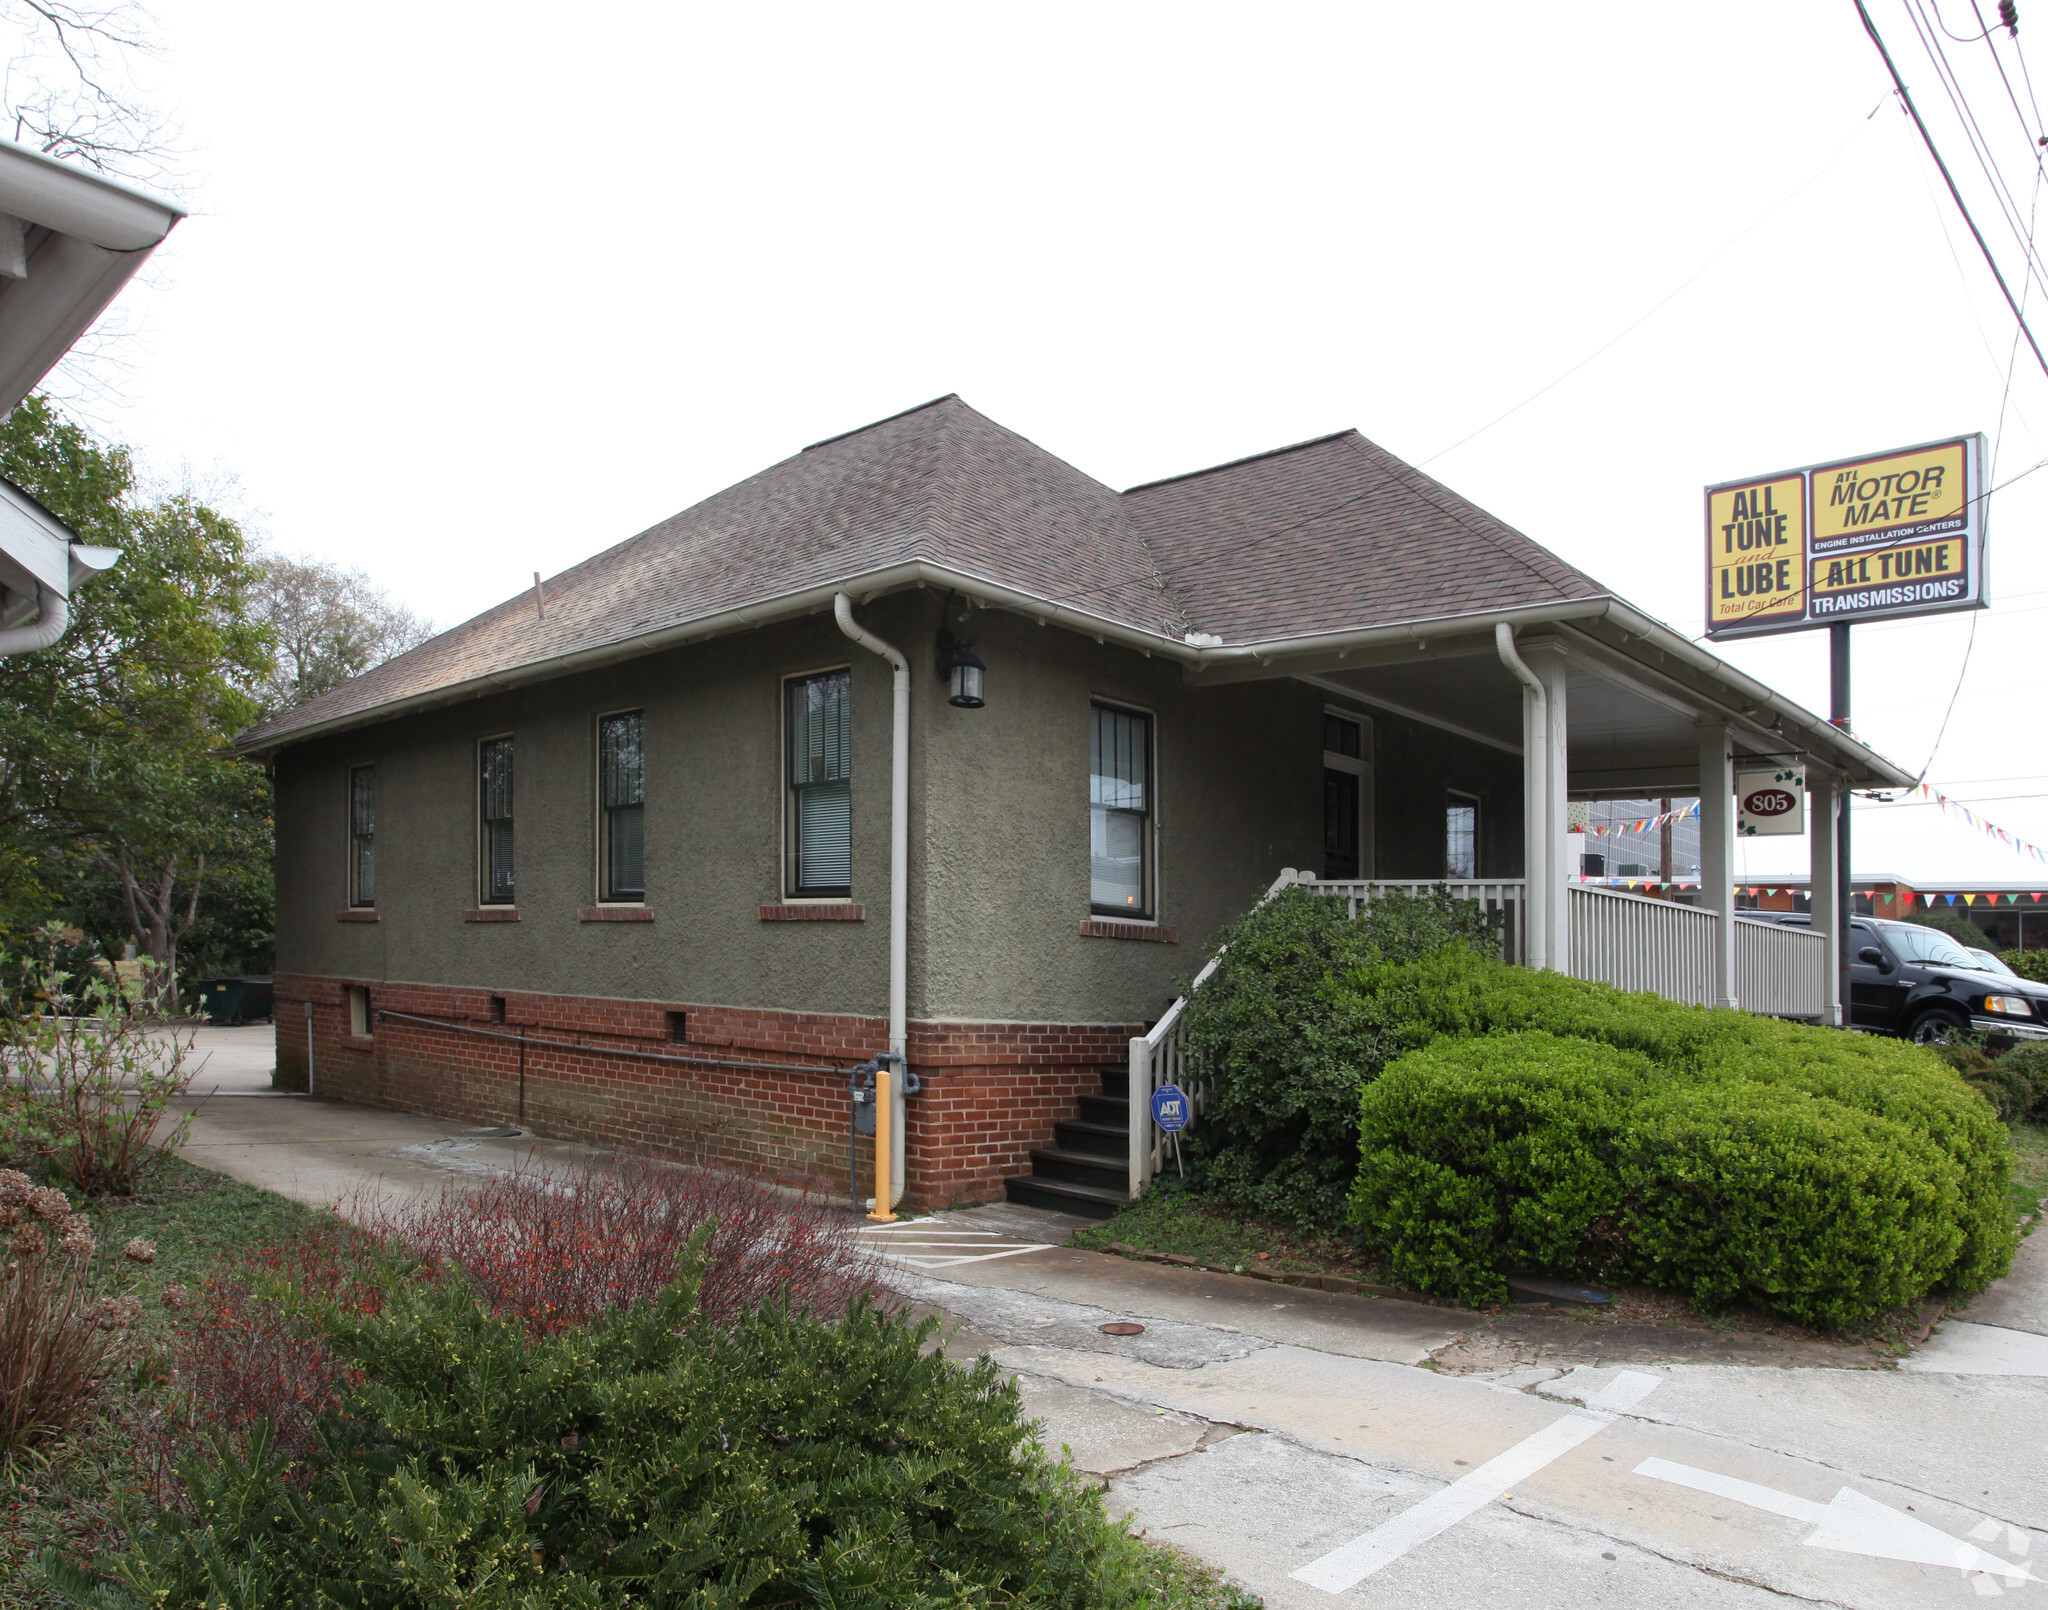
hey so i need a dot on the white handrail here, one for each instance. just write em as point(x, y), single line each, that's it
point(1158, 1056)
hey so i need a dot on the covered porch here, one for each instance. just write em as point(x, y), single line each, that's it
point(1599, 703)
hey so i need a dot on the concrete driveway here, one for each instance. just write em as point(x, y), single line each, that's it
point(1331, 1450)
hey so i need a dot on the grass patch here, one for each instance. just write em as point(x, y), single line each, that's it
point(1179, 1222)
point(2029, 1168)
point(79, 1494)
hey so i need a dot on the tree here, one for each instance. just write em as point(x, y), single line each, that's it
point(119, 790)
point(329, 624)
point(69, 87)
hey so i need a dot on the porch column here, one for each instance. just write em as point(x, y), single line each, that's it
point(1548, 662)
point(1821, 797)
point(1717, 857)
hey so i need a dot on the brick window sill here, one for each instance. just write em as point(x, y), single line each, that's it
point(817, 913)
point(492, 914)
point(357, 1042)
point(616, 914)
point(1099, 928)
point(358, 914)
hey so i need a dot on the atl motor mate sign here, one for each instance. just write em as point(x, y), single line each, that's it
point(1891, 534)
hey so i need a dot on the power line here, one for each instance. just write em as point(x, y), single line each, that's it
point(1974, 135)
point(1956, 195)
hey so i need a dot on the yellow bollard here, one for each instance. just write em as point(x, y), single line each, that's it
point(885, 1123)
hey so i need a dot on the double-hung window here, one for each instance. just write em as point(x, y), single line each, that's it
point(362, 836)
point(621, 796)
point(1461, 836)
point(1120, 812)
point(818, 722)
point(494, 821)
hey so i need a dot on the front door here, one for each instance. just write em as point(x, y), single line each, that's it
point(1347, 795)
point(1340, 824)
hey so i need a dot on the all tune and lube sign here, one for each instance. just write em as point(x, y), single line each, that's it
point(1893, 534)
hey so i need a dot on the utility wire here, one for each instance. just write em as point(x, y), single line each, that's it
point(1998, 61)
point(1956, 195)
point(1974, 135)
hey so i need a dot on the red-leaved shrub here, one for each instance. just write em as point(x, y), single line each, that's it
point(557, 1247)
point(236, 1356)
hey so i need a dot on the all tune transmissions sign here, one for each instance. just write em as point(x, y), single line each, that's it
point(1875, 538)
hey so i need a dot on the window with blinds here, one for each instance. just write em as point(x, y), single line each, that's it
point(494, 811)
point(1120, 812)
point(818, 718)
point(621, 797)
point(362, 836)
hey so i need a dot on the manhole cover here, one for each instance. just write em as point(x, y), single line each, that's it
point(1121, 1327)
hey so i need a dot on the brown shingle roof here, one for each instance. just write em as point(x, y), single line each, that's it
point(1330, 534)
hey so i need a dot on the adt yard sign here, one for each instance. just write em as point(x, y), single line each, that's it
point(1170, 1108)
point(1874, 538)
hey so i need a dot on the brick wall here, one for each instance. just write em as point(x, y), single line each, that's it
point(992, 1091)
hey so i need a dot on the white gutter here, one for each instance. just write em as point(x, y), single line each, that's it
point(899, 876)
point(53, 616)
point(1536, 891)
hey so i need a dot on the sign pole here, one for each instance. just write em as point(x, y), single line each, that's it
point(1838, 715)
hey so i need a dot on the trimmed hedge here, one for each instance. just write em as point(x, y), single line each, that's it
point(1283, 1046)
point(1543, 1121)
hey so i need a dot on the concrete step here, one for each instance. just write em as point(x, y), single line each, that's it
point(1103, 1140)
point(1062, 1196)
point(1080, 1168)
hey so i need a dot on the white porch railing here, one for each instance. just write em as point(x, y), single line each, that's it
point(1630, 941)
point(1634, 942)
point(1782, 971)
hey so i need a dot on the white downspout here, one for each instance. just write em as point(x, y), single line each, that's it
point(54, 617)
point(1535, 803)
point(899, 870)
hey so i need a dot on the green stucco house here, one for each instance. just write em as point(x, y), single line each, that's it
point(923, 739)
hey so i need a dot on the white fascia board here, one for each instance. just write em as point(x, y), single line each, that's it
point(35, 541)
point(76, 201)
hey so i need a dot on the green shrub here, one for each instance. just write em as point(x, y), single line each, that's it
point(1283, 1046)
point(2027, 963)
point(649, 1458)
point(1566, 1125)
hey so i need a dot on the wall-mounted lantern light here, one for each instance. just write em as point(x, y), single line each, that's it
point(962, 667)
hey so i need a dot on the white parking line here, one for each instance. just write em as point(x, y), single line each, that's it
point(913, 1244)
point(1344, 1568)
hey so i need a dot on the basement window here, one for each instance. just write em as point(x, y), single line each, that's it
point(359, 1019)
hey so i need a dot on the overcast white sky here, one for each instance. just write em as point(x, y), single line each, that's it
point(471, 291)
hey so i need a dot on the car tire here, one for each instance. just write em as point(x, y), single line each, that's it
point(1938, 1025)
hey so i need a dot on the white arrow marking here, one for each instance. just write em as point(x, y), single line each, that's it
point(1849, 1523)
point(1346, 1567)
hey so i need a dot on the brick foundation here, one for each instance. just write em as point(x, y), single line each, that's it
point(992, 1091)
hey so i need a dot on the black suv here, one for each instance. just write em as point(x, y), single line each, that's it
point(1919, 983)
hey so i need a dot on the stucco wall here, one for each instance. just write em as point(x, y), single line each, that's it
point(999, 834)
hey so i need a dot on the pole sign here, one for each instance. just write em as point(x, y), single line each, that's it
point(1770, 802)
point(1170, 1108)
point(1875, 538)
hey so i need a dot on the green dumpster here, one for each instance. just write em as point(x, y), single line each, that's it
point(235, 1000)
